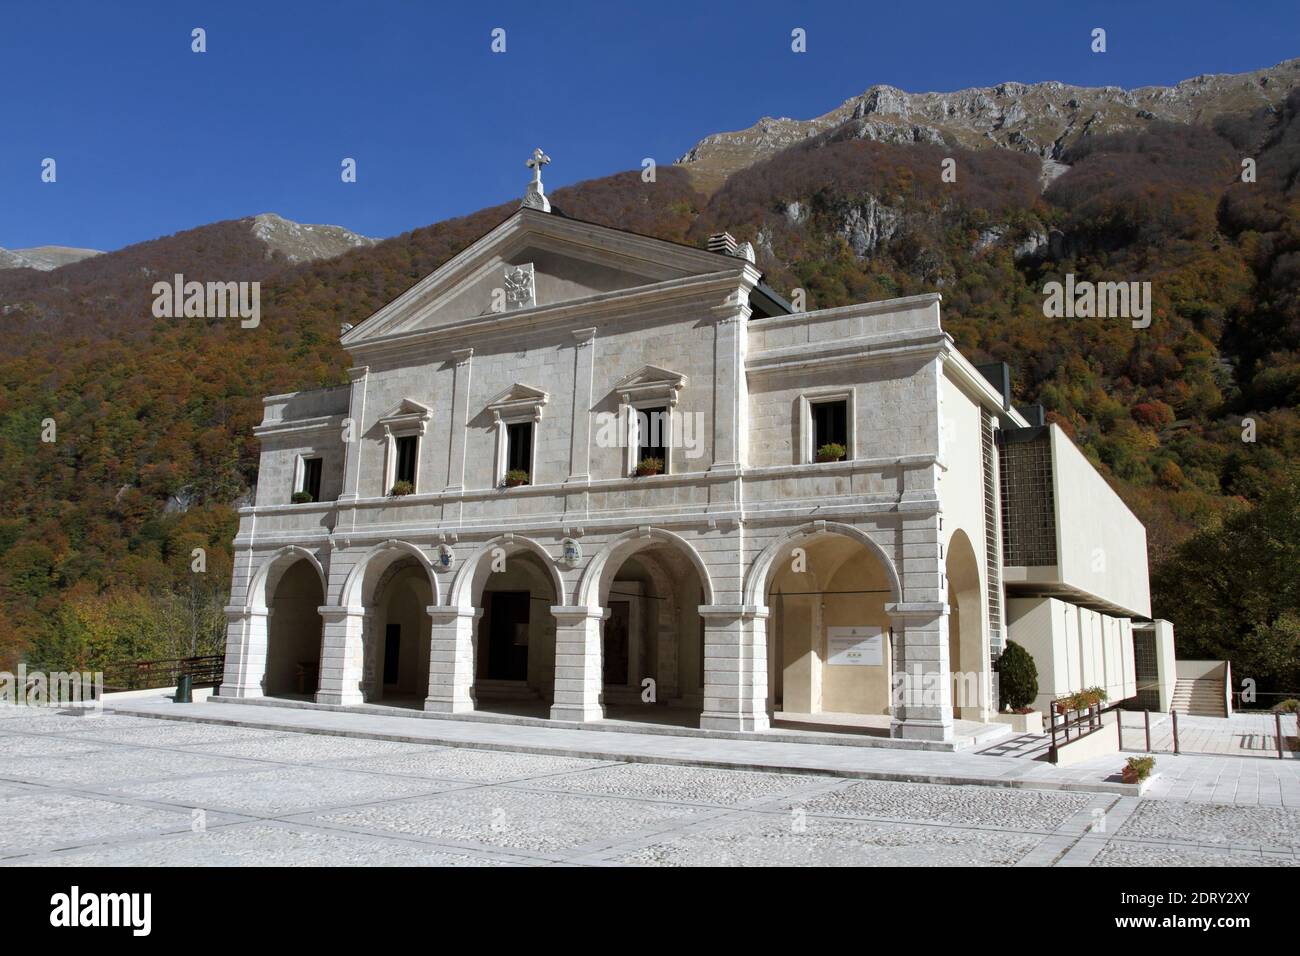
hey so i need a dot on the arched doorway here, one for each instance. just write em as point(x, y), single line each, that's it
point(829, 636)
point(968, 653)
point(648, 588)
point(385, 627)
point(293, 629)
point(400, 633)
point(514, 642)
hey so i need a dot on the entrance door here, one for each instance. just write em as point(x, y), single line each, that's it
point(508, 635)
point(616, 643)
point(392, 648)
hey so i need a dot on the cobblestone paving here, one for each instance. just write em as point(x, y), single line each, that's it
point(135, 791)
point(1037, 810)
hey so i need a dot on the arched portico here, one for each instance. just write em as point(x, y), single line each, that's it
point(274, 639)
point(633, 634)
point(968, 646)
point(828, 589)
point(352, 663)
point(493, 645)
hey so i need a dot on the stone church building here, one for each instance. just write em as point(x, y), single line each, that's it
point(584, 474)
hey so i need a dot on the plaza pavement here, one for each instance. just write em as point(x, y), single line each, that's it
point(133, 789)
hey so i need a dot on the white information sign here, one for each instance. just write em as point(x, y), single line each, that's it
point(862, 645)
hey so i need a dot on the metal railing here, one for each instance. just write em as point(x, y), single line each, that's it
point(1086, 723)
point(145, 675)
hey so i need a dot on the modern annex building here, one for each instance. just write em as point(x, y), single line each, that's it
point(582, 473)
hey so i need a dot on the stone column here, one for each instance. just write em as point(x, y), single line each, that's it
point(735, 667)
point(342, 656)
point(578, 675)
point(921, 694)
point(246, 634)
point(451, 660)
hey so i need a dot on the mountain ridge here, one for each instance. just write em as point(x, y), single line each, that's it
point(1044, 118)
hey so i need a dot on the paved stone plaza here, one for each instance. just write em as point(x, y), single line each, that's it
point(137, 791)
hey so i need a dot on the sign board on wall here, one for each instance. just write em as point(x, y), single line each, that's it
point(860, 645)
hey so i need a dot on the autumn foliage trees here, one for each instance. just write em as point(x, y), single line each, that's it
point(154, 418)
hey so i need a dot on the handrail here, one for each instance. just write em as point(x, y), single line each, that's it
point(165, 672)
point(1087, 723)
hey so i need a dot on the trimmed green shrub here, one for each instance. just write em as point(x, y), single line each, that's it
point(1017, 677)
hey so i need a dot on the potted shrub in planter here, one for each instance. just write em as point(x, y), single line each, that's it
point(402, 488)
point(301, 497)
point(650, 466)
point(1017, 688)
point(516, 477)
point(831, 451)
point(1137, 769)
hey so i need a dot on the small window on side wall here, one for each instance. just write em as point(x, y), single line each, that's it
point(830, 429)
point(310, 487)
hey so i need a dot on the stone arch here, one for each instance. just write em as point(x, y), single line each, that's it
point(362, 581)
point(968, 651)
point(761, 570)
point(474, 572)
point(268, 573)
point(598, 574)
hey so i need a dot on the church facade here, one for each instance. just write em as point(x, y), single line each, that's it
point(582, 474)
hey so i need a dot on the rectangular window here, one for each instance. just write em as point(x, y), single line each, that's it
point(405, 470)
point(652, 434)
point(830, 422)
point(311, 477)
point(519, 448)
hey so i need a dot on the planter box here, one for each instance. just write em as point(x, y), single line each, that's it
point(1031, 723)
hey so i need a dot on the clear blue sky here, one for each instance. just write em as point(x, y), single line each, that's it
point(151, 138)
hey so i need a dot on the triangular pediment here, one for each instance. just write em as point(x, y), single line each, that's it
point(651, 375)
point(534, 261)
point(518, 395)
point(406, 411)
point(650, 382)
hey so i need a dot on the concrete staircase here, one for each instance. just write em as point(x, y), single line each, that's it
point(1199, 698)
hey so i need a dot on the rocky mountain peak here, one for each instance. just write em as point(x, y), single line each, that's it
point(302, 242)
point(1043, 119)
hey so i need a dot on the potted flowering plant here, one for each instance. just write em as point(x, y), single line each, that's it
point(1137, 769)
point(301, 497)
point(516, 477)
point(831, 451)
point(402, 488)
point(650, 466)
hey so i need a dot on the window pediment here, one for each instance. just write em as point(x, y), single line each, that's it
point(651, 383)
point(517, 402)
point(408, 416)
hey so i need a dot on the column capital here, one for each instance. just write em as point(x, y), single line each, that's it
point(917, 609)
point(333, 612)
point(576, 613)
point(442, 614)
point(723, 613)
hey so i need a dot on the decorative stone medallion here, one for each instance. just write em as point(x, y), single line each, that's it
point(520, 286)
point(445, 559)
point(570, 552)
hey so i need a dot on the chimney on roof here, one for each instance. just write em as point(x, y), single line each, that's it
point(722, 242)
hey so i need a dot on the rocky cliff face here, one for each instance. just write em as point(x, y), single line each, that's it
point(299, 242)
point(43, 258)
point(1043, 119)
